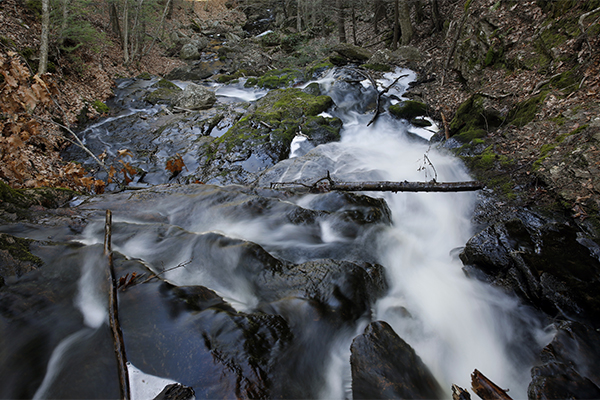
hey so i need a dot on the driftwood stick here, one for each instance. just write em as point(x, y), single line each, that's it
point(113, 313)
point(459, 393)
point(327, 184)
point(487, 389)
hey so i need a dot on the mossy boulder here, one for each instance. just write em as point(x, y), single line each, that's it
point(276, 79)
point(473, 119)
point(263, 138)
point(524, 112)
point(15, 257)
point(352, 53)
point(408, 109)
point(166, 92)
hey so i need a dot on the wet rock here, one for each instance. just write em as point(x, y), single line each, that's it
point(196, 97)
point(543, 261)
point(347, 290)
point(569, 368)
point(263, 138)
point(195, 72)
point(166, 93)
point(408, 109)
point(189, 51)
point(347, 53)
point(384, 366)
point(176, 391)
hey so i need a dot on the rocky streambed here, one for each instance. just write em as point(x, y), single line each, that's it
point(237, 289)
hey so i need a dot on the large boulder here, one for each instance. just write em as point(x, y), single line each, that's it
point(189, 51)
point(547, 263)
point(385, 367)
point(196, 97)
point(569, 369)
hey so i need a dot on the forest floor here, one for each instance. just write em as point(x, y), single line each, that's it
point(551, 160)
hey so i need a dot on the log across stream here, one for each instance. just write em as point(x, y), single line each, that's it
point(250, 291)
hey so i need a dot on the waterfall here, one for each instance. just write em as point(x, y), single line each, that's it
point(199, 235)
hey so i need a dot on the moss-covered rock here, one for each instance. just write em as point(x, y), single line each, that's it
point(408, 109)
point(280, 78)
point(166, 92)
point(524, 112)
point(264, 136)
point(473, 119)
point(353, 53)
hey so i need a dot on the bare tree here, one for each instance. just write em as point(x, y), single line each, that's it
point(341, 17)
point(43, 65)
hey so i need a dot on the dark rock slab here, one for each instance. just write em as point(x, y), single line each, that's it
point(570, 365)
point(385, 367)
point(548, 263)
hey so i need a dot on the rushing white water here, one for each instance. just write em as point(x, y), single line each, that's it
point(454, 323)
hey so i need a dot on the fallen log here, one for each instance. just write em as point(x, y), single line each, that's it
point(113, 313)
point(486, 389)
point(327, 184)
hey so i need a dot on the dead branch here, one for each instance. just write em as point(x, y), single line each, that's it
point(327, 184)
point(180, 265)
point(113, 313)
point(379, 94)
point(77, 142)
point(487, 389)
point(459, 393)
point(583, 29)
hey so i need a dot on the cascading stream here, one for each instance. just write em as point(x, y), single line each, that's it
point(200, 235)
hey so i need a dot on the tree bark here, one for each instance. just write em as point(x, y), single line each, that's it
point(327, 184)
point(438, 23)
point(114, 20)
point(487, 389)
point(377, 12)
point(396, 26)
point(126, 32)
point(405, 24)
point(341, 21)
point(43, 65)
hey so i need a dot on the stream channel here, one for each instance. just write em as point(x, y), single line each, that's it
point(265, 292)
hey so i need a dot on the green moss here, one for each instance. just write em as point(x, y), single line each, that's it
point(163, 95)
point(408, 109)
point(523, 113)
point(18, 248)
point(166, 84)
point(145, 76)
point(101, 107)
point(378, 67)
point(276, 79)
point(472, 121)
point(251, 82)
point(567, 81)
point(318, 67)
point(275, 121)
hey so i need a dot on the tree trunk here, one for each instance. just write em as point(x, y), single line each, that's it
point(438, 23)
point(354, 40)
point(114, 20)
point(487, 389)
point(396, 27)
point(405, 25)
point(377, 15)
point(43, 65)
point(125, 32)
point(341, 20)
point(299, 18)
point(63, 22)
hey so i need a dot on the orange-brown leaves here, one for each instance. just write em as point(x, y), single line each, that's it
point(175, 165)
